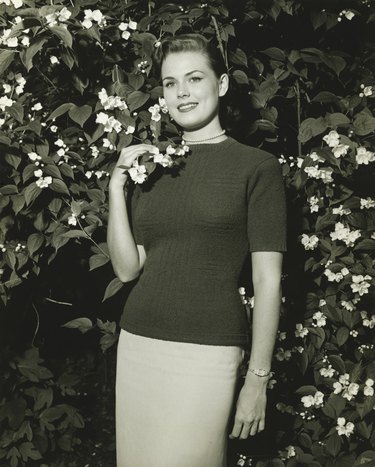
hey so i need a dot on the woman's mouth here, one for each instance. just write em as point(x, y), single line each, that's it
point(187, 107)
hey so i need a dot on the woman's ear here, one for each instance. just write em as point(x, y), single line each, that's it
point(223, 84)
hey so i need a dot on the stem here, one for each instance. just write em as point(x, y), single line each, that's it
point(37, 324)
point(298, 95)
point(58, 302)
point(46, 78)
point(90, 238)
point(88, 235)
point(220, 42)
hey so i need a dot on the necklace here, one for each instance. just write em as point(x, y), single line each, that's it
point(206, 139)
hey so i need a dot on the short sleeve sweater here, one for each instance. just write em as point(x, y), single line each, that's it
point(197, 229)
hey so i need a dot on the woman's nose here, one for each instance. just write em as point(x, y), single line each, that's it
point(182, 91)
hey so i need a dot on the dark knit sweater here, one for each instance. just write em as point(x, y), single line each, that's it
point(197, 229)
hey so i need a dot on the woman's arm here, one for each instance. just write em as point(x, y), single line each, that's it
point(127, 258)
point(251, 404)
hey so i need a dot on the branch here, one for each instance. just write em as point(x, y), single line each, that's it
point(220, 42)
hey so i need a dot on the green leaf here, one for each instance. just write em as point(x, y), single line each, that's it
point(310, 128)
point(136, 99)
point(240, 77)
point(82, 324)
point(60, 110)
point(28, 451)
point(62, 33)
point(28, 54)
point(34, 242)
point(333, 445)
point(59, 186)
point(238, 57)
point(13, 160)
point(306, 390)
point(96, 261)
point(342, 335)
point(112, 288)
point(337, 119)
point(275, 53)
point(8, 190)
point(368, 245)
point(31, 192)
point(80, 114)
point(364, 123)
point(16, 111)
point(75, 234)
point(68, 57)
point(52, 170)
point(6, 58)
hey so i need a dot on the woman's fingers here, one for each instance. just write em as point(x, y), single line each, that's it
point(243, 430)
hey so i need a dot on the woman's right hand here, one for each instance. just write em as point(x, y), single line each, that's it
point(127, 157)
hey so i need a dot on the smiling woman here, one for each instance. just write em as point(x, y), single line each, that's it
point(184, 328)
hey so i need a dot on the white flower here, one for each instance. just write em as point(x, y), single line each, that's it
point(316, 400)
point(367, 203)
point(341, 211)
point(91, 16)
point(325, 173)
point(37, 106)
point(138, 173)
point(7, 88)
point(348, 305)
point(88, 174)
point(124, 27)
point(344, 428)
point(282, 354)
point(111, 102)
point(163, 105)
point(313, 171)
point(348, 14)
point(130, 129)
point(314, 156)
point(364, 156)
point(64, 14)
point(340, 150)
point(5, 102)
point(310, 243)
point(54, 60)
point(107, 144)
point(366, 321)
point(44, 182)
point(332, 139)
point(33, 156)
point(360, 284)
point(368, 389)
point(25, 41)
point(335, 277)
point(72, 219)
point(155, 112)
point(345, 234)
point(110, 123)
point(300, 330)
point(327, 372)
point(38, 173)
point(163, 159)
point(320, 318)
point(350, 391)
point(94, 151)
point(61, 152)
point(299, 162)
point(314, 203)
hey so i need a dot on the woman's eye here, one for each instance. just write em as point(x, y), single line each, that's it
point(195, 79)
point(169, 84)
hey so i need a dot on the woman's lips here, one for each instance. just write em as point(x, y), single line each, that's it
point(187, 107)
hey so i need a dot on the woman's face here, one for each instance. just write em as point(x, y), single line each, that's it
point(192, 89)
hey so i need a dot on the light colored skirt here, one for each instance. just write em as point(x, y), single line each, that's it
point(173, 402)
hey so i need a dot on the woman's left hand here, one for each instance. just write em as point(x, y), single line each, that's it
point(251, 408)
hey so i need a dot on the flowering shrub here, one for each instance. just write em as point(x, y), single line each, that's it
point(78, 85)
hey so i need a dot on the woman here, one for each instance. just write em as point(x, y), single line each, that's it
point(184, 328)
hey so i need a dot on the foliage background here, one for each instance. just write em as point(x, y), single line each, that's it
point(300, 71)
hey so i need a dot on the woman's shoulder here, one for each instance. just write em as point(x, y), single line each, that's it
point(249, 155)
